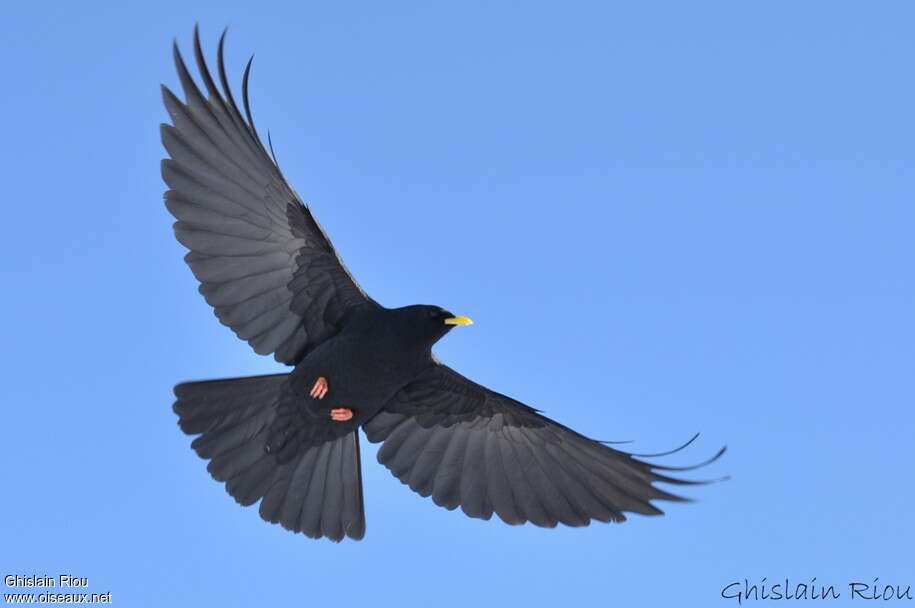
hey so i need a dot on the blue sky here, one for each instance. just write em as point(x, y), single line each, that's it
point(663, 217)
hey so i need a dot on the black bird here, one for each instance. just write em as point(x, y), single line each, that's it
point(291, 440)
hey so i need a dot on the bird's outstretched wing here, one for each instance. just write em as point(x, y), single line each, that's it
point(465, 445)
point(263, 262)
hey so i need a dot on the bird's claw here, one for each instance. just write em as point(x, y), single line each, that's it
point(341, 414)
point(319, 390)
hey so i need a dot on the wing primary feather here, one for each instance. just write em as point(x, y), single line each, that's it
point(223, 79)
point(676, 481)
point(618, 491)
point(205, 71)
point(245, 101)
point(232, 107)
point(187, 83)
point(668, 453)
point(185, 119)
point(272, 153)
point(245, 143)
point(708, 461)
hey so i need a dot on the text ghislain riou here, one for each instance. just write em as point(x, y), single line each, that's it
point(35, 580)
point(743, 591)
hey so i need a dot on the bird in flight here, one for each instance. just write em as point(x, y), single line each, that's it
point(291, 440)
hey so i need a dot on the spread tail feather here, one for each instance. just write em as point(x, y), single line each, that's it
point(318, 491)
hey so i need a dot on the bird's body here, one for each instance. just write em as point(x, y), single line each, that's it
point(291, 440)
point(375, 355)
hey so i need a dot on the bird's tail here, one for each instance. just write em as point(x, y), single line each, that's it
point(318, 491)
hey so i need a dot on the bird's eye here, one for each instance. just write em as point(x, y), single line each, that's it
point(434, 314)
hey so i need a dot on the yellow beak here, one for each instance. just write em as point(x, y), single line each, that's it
point(458, 321)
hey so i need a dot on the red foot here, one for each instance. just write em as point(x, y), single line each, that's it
point(341, 414)
point(320, 388)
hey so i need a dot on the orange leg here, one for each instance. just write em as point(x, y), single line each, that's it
point(320, 388)
point(341, 414)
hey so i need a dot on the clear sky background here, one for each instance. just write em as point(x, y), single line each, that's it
point(664, 218)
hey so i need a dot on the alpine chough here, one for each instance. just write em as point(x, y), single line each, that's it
point(292, 440)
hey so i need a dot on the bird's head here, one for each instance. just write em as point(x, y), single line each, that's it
point(431, 322)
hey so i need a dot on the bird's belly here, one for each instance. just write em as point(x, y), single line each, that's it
point(356, 381)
